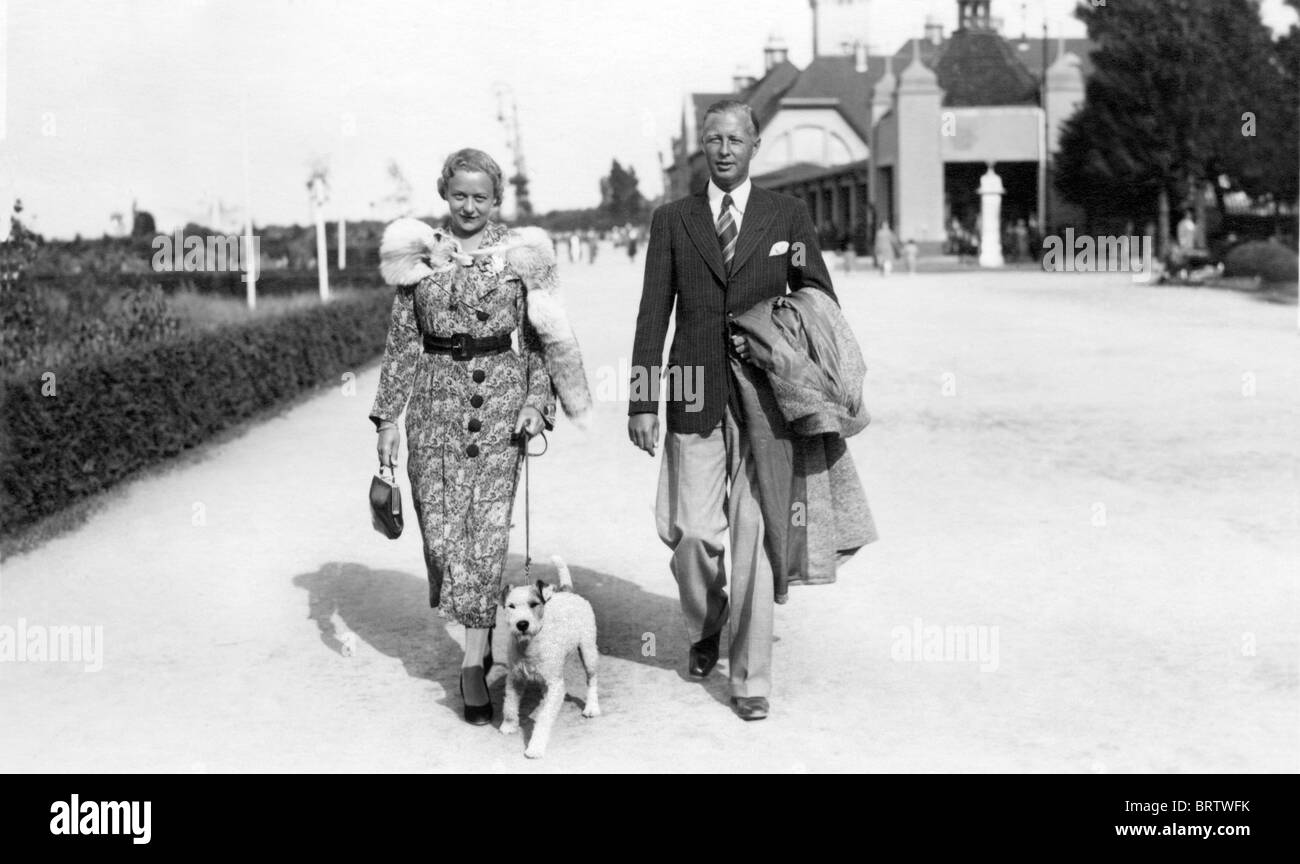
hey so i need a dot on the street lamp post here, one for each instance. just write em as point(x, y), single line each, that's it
point(250, 247)
point(1043, 174)
point(319, 195)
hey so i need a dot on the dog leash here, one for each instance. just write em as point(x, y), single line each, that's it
point(528, 557)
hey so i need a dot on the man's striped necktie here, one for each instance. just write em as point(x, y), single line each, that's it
point(727, 232)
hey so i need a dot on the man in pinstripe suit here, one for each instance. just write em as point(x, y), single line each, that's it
point(715, 254)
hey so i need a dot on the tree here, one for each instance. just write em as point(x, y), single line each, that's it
point(619, 196)
point(142, 225)
point(1169, 105)
point(24, 314)
point(1284, 181)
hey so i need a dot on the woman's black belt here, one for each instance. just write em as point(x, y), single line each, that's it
point(462, 346)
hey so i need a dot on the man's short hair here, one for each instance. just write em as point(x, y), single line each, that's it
point(473, 160)
point(729, 106)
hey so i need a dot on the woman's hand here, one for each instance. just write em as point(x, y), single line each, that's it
point(387, 445)
point(530, 420)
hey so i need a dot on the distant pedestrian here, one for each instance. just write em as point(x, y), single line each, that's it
point(1187, 233)
point(1184, 244)
point(1035, 238)
point(1020, 236)
point(631, 245)
point(961, 241)
point(910, 255)
point(886, 248)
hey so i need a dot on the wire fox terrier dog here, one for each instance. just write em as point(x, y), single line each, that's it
point(546, 624)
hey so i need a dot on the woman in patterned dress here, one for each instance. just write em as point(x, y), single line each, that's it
point(466, 416)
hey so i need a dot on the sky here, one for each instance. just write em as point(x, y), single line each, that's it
point(179, 103)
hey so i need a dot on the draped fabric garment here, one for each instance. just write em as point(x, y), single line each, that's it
point(814, 508)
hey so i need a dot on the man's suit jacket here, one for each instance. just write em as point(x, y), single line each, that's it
point(684, 266)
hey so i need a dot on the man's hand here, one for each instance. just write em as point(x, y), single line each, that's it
point(643, 431)
point(740, 345)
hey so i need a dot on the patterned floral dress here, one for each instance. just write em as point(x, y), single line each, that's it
point(463, 465)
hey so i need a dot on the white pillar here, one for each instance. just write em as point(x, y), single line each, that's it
point(322, 257)
point(343, 245)
point(319, 195)
point(991, 191)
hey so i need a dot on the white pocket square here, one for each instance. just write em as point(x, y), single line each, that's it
point(779, 248)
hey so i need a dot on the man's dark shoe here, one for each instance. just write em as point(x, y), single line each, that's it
point(704, 656)
point(750, 707)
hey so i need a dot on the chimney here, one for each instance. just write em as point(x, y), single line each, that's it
point(775, 53)
point(742, 80)
point(933, 30)
point(973, 15)
point(859, 57)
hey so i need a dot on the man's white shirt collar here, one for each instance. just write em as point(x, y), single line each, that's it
point(739, 197)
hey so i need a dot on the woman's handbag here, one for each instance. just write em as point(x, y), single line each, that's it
point(386, 503)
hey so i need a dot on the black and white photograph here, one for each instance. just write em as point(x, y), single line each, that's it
point(650, 387)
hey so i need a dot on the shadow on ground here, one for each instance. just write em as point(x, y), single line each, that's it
point(389, 611)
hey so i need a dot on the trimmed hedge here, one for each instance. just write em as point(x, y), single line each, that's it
point(115, 414)
point(270, 283)
point(1271, 262)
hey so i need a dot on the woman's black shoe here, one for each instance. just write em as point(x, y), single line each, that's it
point(477, 715)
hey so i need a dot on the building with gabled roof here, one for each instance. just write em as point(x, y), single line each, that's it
point(904, 136)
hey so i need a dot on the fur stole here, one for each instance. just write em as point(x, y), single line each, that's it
point(411, 251)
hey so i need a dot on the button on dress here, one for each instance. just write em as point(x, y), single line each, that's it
point(460, 415)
